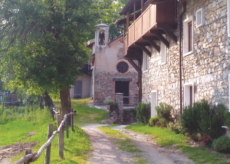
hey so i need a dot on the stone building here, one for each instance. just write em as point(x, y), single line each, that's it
point(184, 47)
point(111, 72)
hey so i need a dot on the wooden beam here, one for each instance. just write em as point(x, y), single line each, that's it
point(134, 11)
point(142, 6)
point(137, 55)
point(134, 65)
point(160, 37)
point(153, 44)
point(168, 32)
point(150, 38)
point(127, 20)
point(144, 49)
point(143, 43)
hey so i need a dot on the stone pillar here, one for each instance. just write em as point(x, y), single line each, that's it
point(119, 101)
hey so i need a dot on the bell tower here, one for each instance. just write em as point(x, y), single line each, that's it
point(101, 36)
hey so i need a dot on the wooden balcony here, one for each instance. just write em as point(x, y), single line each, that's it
point(150, 26)
point(145, 22)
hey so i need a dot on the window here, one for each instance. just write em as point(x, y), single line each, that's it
point(163, 53)
point(188, 36)
point(228, 12)
point(188, 94)
point(122, 67)
point(153, 103)
point(145, 62)
point(199, 17)
point(101, 37)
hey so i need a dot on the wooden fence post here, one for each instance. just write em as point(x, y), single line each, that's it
point(67, 128)
point(72, 121)
point(48, 149)
point(60, 137)
point(28, 151)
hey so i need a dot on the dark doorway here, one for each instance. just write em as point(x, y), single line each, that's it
point(123, 87)
point(78, 90)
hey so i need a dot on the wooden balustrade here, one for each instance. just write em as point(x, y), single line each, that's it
point(145, 22)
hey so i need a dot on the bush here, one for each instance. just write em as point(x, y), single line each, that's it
point(143, 112)
point(164, 111)
point(222, 144)
point(177, 127)
point(201, 118)
point(163, 122)
point(212, 120)
point(153, 121)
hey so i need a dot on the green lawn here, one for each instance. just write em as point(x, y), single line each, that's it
point(85, 114)
point(165, 137)
point(76, 147)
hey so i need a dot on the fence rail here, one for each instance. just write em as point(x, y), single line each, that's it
point(32, 157)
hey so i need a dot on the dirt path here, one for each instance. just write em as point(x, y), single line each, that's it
point(7, 152)
point(106, 152)
point(155, 154)
point(104, 149)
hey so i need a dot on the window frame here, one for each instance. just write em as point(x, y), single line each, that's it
point(187, 88)
point(145, 63)
point(153, 110)
point(228, 17)
point(201, 10)
point(186, 36)
point(163, 46)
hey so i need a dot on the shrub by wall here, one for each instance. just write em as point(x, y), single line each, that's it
point(222, 144)
point(201, 118)
point(143, 112)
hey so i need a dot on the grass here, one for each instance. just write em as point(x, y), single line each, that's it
point(85, 114)
point(76, 147)
point(165, 137)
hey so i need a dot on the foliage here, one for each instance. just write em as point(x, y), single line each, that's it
point(111, 102)
point(153, 121)
point(42, 45)
point(206, 140)
point(177, 127)
point(222, 144)
point(212, 120)
point(143, 112)
point(163, 122)
point(201, 118)
point(164, 111)
point(109, 13)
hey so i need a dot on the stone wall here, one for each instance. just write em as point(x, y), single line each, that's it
point(104, 86)
point(207, 67)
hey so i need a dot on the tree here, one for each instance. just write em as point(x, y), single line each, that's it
point(109, 13)
point(42, 43)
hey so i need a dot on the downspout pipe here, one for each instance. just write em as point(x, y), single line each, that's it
point(180, 47)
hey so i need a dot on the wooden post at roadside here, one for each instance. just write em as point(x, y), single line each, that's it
point(60, 137)
point(72, 121)
point(28, 151)
point(67, 128)
point(48, 149)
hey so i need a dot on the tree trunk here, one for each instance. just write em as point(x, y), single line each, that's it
point(41, 99)
point(49, 103)
point(65, 103)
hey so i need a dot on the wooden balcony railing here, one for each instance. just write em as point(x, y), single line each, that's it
point(145, 22)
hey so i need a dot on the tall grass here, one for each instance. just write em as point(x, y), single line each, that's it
point(32, 113)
